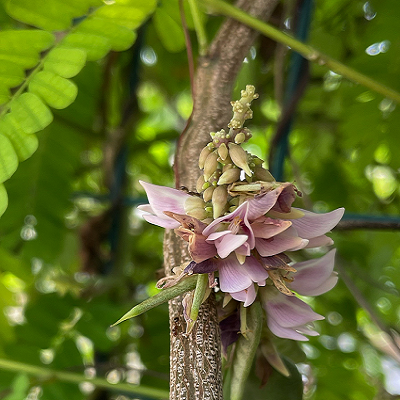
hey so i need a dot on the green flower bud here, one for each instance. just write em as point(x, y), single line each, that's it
point(203, 156)
point(207, 195)
point(210, 165)
point(219, 201)
point(240, 138)
point(194, 202)
point(229, 176)
point(262, 174)
point(223, 151)
point(199, 213)
point(200, 183)
point(239, 157)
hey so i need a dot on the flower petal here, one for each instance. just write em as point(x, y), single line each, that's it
point(314, 277)
point(247, 296)
point(313, 225)
point(269, 227)
point(279, 243)
point(240, 212)
point(290, 312)
point(319, 241)
point(282, 332)
point(162, 198)
point(262, 203)
point(199, 249)
point(229, 243)
point(164, 222)
point(255, 270)
point(233, 276)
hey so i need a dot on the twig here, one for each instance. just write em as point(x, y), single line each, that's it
point(307, 51)
point(198, 26)
point(51, 374)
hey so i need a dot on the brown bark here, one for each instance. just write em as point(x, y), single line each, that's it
point(195, 359)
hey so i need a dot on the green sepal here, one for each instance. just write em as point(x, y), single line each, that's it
point(166, 294)
point(198, 298)
point(245, 351)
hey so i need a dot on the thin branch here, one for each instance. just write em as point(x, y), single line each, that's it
point(198, 26)
point(305, 50)
point(51, 374)
point(367, 222)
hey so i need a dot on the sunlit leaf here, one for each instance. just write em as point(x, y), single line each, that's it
point(56, 91)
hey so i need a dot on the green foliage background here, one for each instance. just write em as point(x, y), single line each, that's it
point(73, 76)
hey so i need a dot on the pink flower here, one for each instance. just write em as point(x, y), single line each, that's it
point(248, 227)
point(288, 316)
point(163, 198)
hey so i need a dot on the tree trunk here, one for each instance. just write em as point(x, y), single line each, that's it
point(195, 359)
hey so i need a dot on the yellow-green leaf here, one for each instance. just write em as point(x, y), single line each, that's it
point(32, 114)
point(56, 91)
point(95, 46)
point(3, 199)
point(24, 145)
point(23, 47)
point(8, 159)
point(64, 61)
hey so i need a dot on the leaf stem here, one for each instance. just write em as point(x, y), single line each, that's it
point(199, 27)
point(49, 374)
point(305, 50)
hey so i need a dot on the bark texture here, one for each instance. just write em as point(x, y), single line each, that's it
point(195, 359)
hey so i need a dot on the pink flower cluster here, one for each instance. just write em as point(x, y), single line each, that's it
point(247, 247)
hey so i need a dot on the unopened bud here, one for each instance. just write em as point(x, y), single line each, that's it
point(200, 183)
point(262, 174)
point(240, 138)
point(219, 199)
point(239, 157)
point(207, 195)
point(229, 176)
point(203, 156)
point(199, 213)
point(210, 165)
point(193, 202)
point(223, 151)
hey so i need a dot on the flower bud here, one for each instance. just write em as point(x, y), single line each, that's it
point(203, 156)
point(240, 138)
point(229, 176)
point(194, 202)
point(219, 201)
point(207, 195)
point(262, 174)
point(239, 157)
point(198, 213)
point(200, 183)
point(210, 165)
point(223, 151)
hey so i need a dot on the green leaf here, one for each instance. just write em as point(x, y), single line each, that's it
point(64, 61)
point(3, 199)
point(23, 47)
point(130, 14)
point(51, 15)
point(166, 294)
point(11, 74)
point(31, 113)
point(24, 144)
point(8, 159)
point(56, 91)
point(168, 26)
point(20, 387)
point(95, 46)
point(119, 37)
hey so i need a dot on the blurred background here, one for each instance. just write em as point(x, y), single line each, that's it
point(75, 255)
